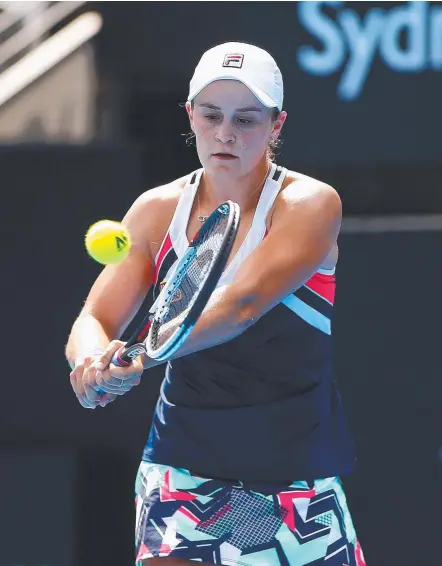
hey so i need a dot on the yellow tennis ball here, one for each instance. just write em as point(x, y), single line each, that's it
point(108, 242)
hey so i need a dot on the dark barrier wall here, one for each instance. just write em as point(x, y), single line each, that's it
point(387, 355)
point(387, 339)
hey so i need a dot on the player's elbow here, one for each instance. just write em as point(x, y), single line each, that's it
point(246, 310)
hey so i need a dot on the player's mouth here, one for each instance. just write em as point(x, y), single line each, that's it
point(224, 156)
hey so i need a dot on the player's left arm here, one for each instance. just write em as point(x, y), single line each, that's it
point(304, 230)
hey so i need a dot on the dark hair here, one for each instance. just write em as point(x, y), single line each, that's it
point(273, 143)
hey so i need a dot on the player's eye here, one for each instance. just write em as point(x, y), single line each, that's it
point(211, 117)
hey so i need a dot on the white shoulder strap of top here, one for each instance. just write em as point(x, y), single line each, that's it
point(271, 190)
point(178, 226)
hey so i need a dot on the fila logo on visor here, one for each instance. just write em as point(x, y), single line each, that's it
point(233, 60)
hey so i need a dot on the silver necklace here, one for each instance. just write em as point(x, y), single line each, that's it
point(202, 218)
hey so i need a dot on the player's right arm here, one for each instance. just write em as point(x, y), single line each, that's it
point(116, 296)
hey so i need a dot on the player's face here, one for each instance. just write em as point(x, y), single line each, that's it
point(232, 128)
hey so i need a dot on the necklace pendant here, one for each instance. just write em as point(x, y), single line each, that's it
point(202, 218)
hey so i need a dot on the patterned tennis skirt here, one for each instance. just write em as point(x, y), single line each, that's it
point(237, 524)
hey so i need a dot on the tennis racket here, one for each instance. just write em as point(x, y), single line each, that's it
point(187, 290)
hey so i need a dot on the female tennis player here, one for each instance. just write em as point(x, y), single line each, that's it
point(249, 439)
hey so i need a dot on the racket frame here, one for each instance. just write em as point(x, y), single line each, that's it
point(210, 281)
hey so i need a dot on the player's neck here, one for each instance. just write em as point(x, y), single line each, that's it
point(244, 190)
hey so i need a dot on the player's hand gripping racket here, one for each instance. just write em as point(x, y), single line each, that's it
point(187, 290)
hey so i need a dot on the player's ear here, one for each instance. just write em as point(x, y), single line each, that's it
point(189, 111)
point(278, 124)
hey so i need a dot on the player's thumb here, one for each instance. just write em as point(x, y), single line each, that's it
point(105, 359)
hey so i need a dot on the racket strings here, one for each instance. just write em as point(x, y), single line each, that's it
point(189, 280)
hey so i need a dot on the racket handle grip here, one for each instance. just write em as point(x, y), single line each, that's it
point(124, 357)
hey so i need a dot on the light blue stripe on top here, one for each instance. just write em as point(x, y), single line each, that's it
point(308, 314)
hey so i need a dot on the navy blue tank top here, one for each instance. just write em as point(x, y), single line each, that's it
point(263, 407)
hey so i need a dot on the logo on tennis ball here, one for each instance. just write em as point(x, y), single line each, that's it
point(108, 242)
point(121, 242)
